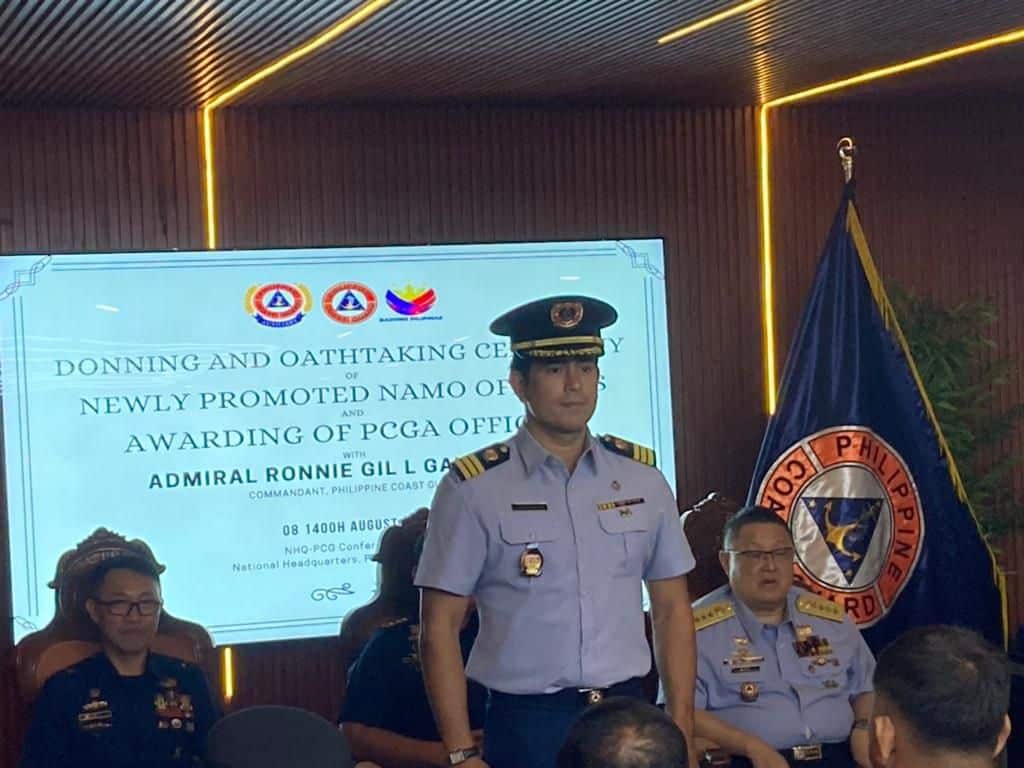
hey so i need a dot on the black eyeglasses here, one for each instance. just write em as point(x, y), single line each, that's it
point(763, 555)
point(124, 607)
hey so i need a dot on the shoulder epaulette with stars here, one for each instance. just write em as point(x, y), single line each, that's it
point(634, 451)
point(475, 464)
point(709, 615)
point(813, 605)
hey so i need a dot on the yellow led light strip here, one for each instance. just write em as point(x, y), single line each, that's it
point(704, 23)
point(227, 669)
point(764, 179)
point(350, 21)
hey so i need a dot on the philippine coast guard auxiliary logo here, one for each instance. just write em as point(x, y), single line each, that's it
point(855, 515)
point(278, 304)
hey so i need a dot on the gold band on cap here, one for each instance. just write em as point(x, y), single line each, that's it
point(559, 341)
point(575, 352)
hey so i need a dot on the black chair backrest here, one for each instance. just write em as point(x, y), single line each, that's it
point(276, 737)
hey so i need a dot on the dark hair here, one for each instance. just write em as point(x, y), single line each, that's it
point(128, 563)
point(949, 684)
point(748, 516)
point(624, 733)
point(523, 364)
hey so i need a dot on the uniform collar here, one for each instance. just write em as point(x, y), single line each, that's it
point(155, 665)
point(753, 625)
point(533, 454)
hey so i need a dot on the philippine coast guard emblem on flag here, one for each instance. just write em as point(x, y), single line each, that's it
point(855, 515)
point(278, 305)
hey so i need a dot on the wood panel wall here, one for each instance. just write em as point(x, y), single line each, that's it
point(89, 181)
point(936, 197)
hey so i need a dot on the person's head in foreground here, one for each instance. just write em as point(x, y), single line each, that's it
point(624, 733)
point(941, 699)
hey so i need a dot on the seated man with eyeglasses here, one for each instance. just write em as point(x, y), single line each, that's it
point(783, 676)
point(123, 706)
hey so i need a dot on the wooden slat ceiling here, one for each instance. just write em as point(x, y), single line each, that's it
point(181, 53)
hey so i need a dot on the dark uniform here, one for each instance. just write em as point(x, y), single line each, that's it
point(90, 715)
point(385, 684)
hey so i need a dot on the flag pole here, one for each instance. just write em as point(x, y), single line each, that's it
point(847, 149)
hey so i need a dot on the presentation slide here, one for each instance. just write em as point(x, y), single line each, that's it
point(260, 417)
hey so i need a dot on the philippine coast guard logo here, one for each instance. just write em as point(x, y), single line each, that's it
point(855, 515)
point(278, 304)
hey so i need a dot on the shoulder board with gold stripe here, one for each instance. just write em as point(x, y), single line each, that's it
point(475, 464)
point(813, 605)
point(709, 615)
point(634, 451)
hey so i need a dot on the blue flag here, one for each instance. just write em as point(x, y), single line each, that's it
point(855, 462)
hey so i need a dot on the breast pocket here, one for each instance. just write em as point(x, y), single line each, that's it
point(527, 526)
point(827, 670)
point(627, 537)
point(536, 530)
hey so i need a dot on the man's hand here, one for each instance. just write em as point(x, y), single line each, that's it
point(764, 755)
point(860, 747)
point(441, 756)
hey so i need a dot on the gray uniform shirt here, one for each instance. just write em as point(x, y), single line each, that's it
point(600, 531)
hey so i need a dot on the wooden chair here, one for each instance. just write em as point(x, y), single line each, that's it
point(71, 635)
point(703, 524)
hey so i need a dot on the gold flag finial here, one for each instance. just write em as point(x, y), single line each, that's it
point(847, 149)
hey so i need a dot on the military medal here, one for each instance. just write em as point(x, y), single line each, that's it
point(95, 714)
point(742, 659)
point(811, 646)
point(531, 562)
point(748, 692)
point(173, 709)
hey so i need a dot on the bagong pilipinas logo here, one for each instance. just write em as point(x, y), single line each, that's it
point(349, 303)
point(278, 305)
point(855, 515)
point(410, 301)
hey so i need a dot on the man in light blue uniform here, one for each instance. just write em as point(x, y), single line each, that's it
point(552, 532)
point(783, 676)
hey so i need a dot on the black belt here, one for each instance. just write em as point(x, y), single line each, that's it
point(807, 755)
point(572, 698)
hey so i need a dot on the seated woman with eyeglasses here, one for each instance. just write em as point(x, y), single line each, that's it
point(124, 706)
point(783, 676)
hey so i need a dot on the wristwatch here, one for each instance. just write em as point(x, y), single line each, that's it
point(862, 722)
point(460, 756)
